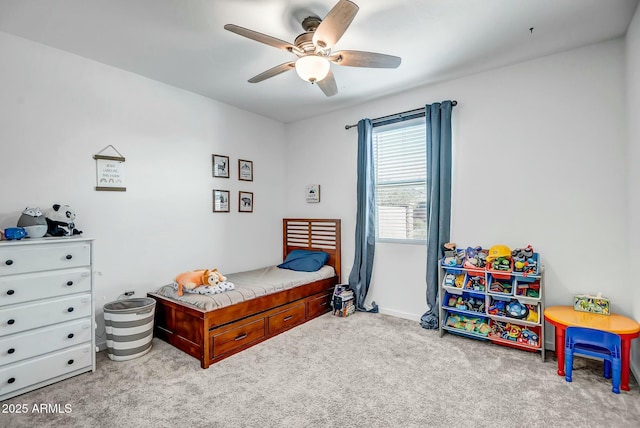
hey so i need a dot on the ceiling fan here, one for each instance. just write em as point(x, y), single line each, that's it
point(313, 48)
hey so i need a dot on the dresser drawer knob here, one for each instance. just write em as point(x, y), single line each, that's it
point(70, 336)
point(287, 318)
point(70, 309)
point(11, 351)
point(8, 262)
point(11, 380)
point(10, 292)
point(68, 257)
point(240, 337)
point(70, 362)
point(69, 283)
point(11, 321)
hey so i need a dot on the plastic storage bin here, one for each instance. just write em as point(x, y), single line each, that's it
point(128, 324)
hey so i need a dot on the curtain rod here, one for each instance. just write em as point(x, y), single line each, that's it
point(398, 115)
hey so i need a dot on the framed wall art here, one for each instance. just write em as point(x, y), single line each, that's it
point(220, 201)
point(110, 171)
point(245, 202)
point(313, 193)
point(245, 170)
point(220, 166)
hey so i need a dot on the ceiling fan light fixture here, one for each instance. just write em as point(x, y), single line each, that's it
point(312, 68)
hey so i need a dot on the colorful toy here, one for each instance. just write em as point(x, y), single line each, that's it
point(468, 324)
point(449, 279)
point(196, 278)
point(14, 233)
point(475, 283)
point(512, 332)
point(475, 257)
point(498, 252)
point(516, 309)
point(33, 222)
point(60, 221)
point(596, 304)
point(533, 314)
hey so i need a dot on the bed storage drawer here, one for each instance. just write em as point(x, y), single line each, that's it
point(318, 305)
point(238, 337)
point(286, 319)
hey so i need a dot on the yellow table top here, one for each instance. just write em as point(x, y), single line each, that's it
point(568, 316)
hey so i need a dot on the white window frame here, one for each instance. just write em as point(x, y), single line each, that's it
point(417, 122)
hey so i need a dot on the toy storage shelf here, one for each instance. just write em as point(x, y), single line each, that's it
point(490, 311)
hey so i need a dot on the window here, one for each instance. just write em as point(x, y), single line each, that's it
point(400, 165)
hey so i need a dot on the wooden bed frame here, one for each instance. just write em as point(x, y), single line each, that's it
point(211, 336)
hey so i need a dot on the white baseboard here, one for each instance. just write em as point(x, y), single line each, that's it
point(398, 314)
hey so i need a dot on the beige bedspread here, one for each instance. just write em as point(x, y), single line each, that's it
point(249, 285)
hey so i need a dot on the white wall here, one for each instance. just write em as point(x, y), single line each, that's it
point(57, 110)
point(633, 162)
point(539, 158)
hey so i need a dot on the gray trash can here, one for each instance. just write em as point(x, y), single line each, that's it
point(129, 327)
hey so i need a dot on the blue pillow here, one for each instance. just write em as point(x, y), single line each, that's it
point(305, 260)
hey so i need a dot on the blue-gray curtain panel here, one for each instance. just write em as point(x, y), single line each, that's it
point(438, 118)
point(360, 276)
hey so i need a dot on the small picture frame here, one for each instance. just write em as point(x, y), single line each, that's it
point(313, 193)
point(220, 166)
point(245, 202)
point(220, 201)
point(245, 170)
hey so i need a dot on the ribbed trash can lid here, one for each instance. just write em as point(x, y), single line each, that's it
point(128, 304)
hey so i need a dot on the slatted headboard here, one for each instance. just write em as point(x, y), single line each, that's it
point(313, 234)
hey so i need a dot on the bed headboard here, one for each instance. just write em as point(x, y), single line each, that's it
point(318, 234)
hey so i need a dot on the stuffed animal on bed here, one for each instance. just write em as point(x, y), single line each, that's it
point(197, 278)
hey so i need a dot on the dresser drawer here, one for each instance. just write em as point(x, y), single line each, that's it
point(35, 258)
point(44, 340)
point(18, 318)
point(286, 319)
point(237, 337)
point(319, 305)
point(43, 285)
point(26, 373)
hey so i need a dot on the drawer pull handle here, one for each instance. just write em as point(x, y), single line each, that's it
point(287, 318)
point(70, 362)
point(11, 321)
point(11, 380)
point(70, 309)
point(70, 335)
point(68, 257)
point(8, 262)
point(10, 292)
point(69, 283)
point(240, 337)
point(323, 303)
point(11, 351)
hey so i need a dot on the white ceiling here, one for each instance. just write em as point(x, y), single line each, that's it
point(183, 43)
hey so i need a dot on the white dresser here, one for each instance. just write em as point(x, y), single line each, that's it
point(46, 312)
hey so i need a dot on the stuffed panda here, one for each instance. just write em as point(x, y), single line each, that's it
point(60, 221)
point(33, 222)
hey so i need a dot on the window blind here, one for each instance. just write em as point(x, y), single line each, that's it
point(401, 172)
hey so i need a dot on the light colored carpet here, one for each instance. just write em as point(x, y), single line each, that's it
point(367, 370)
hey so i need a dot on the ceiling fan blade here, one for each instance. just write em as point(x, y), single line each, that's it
point(278, 69)
point(328, 85)
point(335, 24)
point(365, 59)
point(262, 38)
